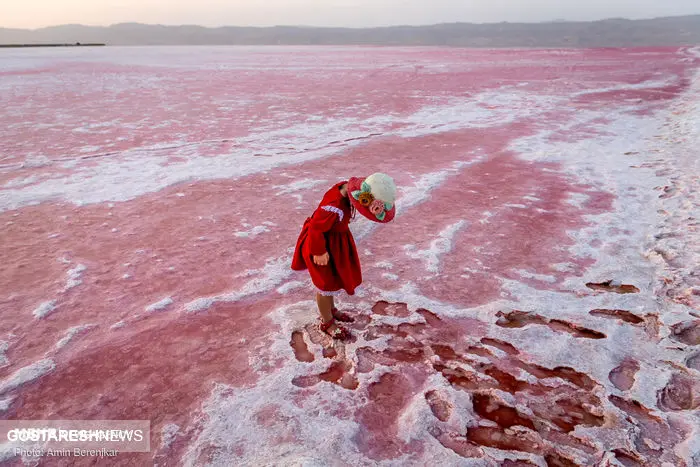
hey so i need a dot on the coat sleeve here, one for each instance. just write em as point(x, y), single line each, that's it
point(321, 222)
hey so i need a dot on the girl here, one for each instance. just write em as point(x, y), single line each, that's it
point(327, 248)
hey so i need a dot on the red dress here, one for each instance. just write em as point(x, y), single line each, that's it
point(327, 230)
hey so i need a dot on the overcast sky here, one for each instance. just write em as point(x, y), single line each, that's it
point(351, 13)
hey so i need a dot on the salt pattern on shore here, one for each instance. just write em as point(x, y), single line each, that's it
point(27, 374)
point(44, 309)
point(74, 276)
point(159, 305)
point(438, 247)
point(3, 348)
point(71, 333)
point(168, 434)
point(283, 412)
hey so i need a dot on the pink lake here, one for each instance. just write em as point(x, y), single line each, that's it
point(534, 302)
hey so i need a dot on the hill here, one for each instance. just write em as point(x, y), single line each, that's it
point(670, 31)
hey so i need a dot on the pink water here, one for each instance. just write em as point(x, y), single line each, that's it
point(185, 174)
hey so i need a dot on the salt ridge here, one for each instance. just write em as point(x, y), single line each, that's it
point(44, 309)
point(27, 374)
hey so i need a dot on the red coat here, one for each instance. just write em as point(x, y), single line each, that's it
point(327, 230)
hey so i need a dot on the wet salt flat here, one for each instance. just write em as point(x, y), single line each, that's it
point(536, 301)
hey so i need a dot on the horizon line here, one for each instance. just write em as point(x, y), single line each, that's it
point(350, 27)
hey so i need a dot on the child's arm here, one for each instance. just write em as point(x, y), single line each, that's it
point(321, 222)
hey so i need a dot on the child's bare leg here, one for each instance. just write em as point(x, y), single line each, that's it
point(325, 308)
point(339, 315)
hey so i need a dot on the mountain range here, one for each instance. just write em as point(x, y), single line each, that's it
point(669, 31)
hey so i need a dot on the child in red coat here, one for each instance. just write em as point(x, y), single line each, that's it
point(327, 248)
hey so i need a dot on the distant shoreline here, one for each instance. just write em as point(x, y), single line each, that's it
point(678, 31)
point(19, 46)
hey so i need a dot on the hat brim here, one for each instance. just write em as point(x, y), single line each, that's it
point(355, 184)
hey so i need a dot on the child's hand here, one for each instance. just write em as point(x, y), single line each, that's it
point(322, 260)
